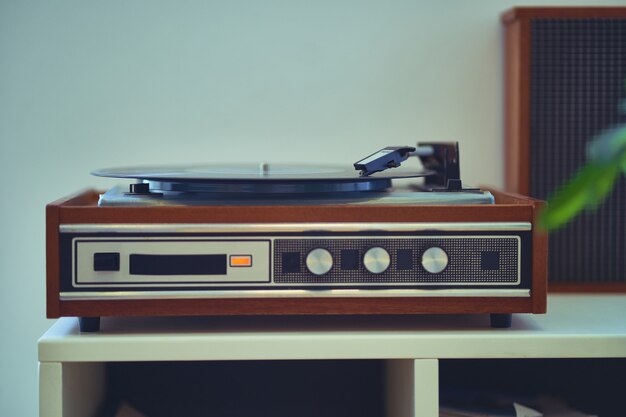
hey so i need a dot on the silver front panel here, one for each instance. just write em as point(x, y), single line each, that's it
point(280, 261)
point(86, 249)
point(287, 293)
point(269, 228)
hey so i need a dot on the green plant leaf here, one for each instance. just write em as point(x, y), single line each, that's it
point(610, 145)
point(606, 157)
point(585, 190)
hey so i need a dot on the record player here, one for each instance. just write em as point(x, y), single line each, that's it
point(369, 239)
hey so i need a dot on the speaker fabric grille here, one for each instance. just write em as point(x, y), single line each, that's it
point(465, 266)
point(577, 78)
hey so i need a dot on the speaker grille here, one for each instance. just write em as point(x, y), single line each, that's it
point(465, 261)
point(578, 76)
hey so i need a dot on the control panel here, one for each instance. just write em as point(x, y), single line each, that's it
point(288, 261)
point(441, 260)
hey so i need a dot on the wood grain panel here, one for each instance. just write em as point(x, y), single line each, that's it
point(295, 306)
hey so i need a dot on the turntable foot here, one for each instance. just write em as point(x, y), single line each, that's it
point(501, 321)
point(89, 324)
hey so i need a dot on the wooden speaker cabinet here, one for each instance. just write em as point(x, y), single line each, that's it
point(565, 82)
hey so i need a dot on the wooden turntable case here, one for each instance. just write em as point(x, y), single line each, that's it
point(82, 209)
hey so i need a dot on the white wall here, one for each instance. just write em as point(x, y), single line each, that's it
point(88, 84)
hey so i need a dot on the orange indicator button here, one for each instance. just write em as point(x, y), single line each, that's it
point(240, 260)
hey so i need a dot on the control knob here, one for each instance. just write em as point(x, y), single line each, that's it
point(434, 260)
point(319, 261)
point(376, 260)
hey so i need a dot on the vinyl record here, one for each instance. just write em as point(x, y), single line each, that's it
point(260, 178)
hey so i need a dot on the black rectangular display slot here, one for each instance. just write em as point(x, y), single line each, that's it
point(177, 264)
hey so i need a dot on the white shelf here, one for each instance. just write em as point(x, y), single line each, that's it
point(576, 326)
